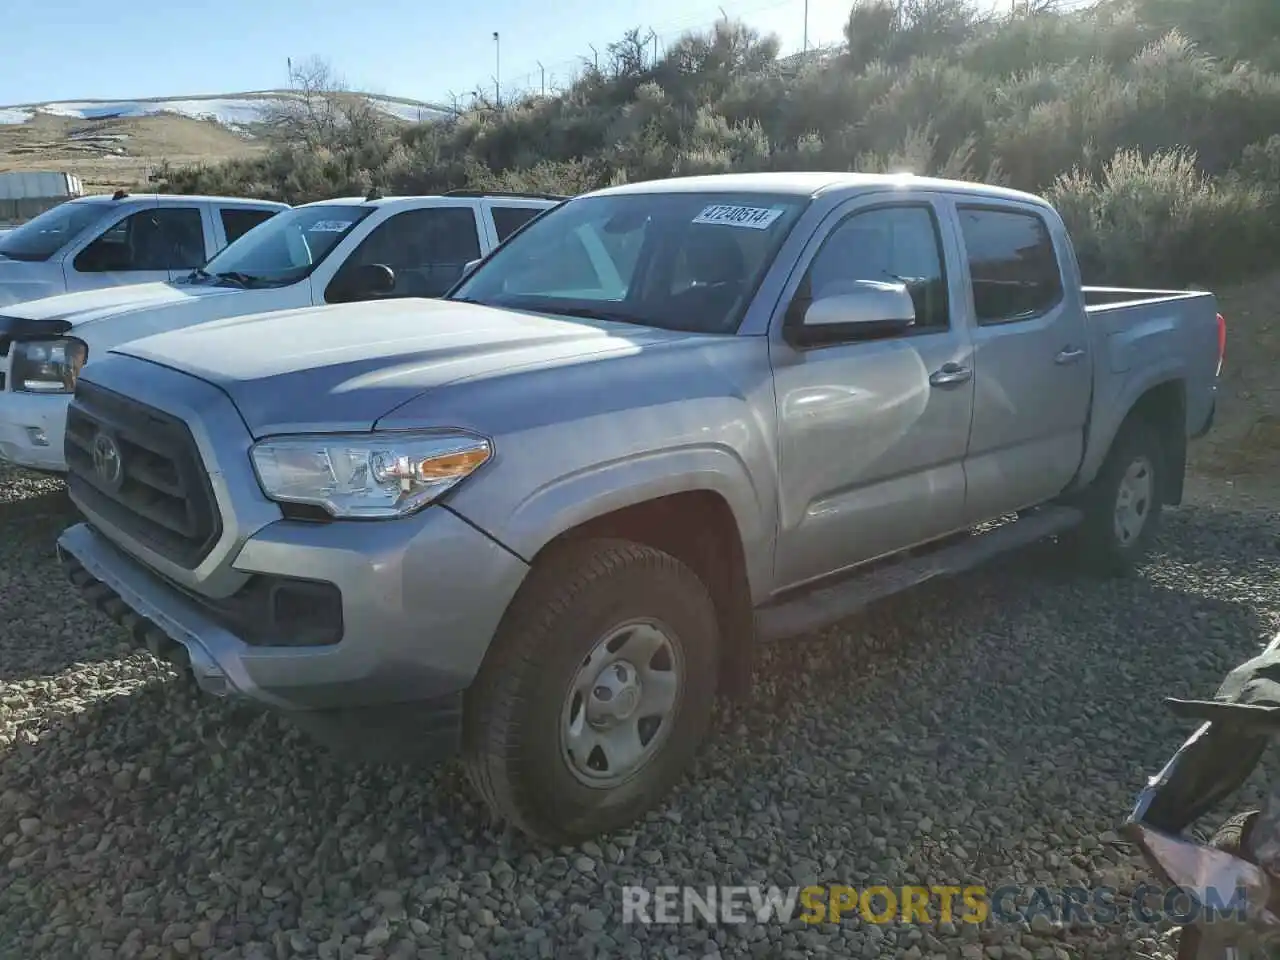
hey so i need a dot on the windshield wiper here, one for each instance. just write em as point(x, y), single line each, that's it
point(595, 313)
point(238, 278)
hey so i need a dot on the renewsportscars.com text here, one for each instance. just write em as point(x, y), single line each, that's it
point(1013, 904)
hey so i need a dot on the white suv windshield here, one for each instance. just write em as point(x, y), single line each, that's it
point(40, 238)
point(686, 261)
point(287, 247)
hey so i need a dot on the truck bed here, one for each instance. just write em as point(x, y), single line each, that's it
point(1142, 338)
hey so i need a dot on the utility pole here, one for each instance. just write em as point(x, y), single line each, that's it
point(497, 69)
point(289, 61)
point(806, 26)
point(595, 55)
point(654, 37)
point(543, 71)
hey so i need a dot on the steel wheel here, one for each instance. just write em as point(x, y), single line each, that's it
point(618, 708)
point(1133, 501)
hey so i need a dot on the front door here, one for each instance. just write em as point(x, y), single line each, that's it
point(155, 243)
point(427, 250)
point(872, 434)
point(1032, 374)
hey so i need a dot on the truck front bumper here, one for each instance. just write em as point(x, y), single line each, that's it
point(420, 600)
point(31, 429)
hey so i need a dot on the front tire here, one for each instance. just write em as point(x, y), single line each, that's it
point(1124, 504)
point(596, 692)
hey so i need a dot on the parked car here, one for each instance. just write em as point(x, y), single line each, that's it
point(544, 519)
point(335, 251)
point(107, 241)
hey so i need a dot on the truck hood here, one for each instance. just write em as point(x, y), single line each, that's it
point(344, 367)
point(22, 280)
point(90, 305)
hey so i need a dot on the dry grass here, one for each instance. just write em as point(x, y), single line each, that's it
point(120, 152)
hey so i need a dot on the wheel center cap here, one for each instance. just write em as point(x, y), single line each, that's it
point(628, 700)
point(615, 695)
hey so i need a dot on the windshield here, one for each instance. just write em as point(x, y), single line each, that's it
point(43, 236)
point(684, 261)
point(287, 247)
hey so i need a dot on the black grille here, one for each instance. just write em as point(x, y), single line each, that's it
point(162, 497)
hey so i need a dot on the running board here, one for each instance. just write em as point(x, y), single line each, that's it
point(824, 606)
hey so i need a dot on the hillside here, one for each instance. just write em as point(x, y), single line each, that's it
point(1153, 125)
point(113, 143)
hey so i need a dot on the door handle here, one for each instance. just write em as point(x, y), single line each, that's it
point(1069, 355)
point(949, 374)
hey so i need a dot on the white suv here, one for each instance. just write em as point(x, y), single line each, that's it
point(332, 251)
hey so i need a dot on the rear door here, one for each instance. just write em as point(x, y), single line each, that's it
point(148, 242)
point(1032, 372)
point(427, 248)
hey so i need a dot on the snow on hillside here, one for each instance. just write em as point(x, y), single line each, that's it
point(231, 112)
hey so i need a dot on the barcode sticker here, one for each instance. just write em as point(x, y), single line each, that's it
point(329, 226)
point(755, 218)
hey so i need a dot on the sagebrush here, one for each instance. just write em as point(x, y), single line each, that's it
point(1154, 124)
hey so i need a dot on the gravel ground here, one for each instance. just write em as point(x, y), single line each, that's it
point(989, 729)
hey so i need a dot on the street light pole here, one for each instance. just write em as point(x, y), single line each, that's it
point(497, 69)
point(806, 26)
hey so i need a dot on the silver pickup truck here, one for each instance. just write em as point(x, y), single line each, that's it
point(544, 520)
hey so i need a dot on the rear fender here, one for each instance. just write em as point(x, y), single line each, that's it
point(1110, 413)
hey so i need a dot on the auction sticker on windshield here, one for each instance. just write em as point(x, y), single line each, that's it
point(329, 226)
point(757, 218)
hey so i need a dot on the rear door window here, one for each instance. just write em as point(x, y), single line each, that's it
point(237, 221)
point(1012, 263)
point(507, 220)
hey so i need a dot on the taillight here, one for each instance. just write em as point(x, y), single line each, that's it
point(1222, 341)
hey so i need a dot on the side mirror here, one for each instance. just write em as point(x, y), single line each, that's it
point(862, 310)
point(468, 267)
point(366, 280)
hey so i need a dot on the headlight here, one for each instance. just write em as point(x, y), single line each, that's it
point(367, 475)
point(48, 366)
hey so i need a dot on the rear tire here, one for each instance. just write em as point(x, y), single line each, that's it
point(559, 731)
point(1192, 943)
point(1123, 505)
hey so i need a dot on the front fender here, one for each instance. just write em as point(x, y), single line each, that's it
point(602, 488)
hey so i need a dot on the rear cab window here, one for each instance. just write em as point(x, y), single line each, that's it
point(1013, 264)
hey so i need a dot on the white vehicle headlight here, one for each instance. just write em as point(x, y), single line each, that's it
point(48, 366)
point(367, 475)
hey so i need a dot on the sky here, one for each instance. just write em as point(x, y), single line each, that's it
point(406, 48)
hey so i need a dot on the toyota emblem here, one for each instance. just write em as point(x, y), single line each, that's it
point(106, 460)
